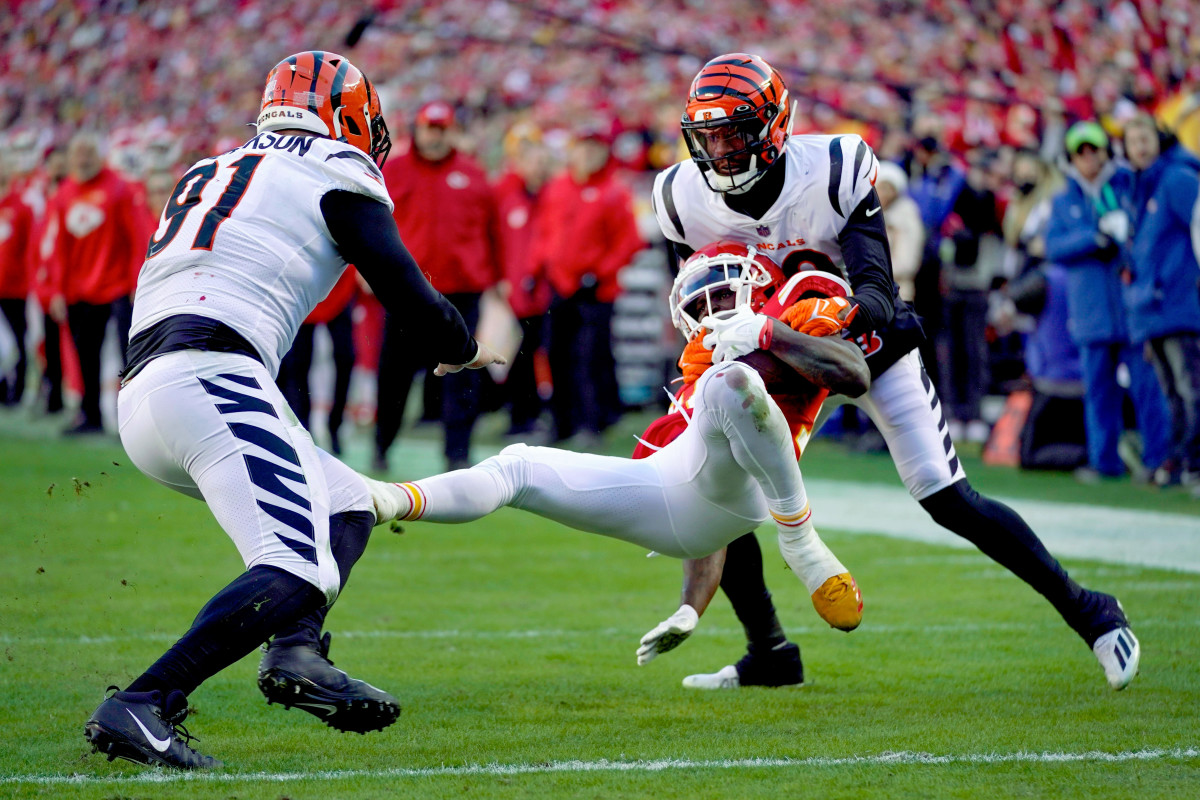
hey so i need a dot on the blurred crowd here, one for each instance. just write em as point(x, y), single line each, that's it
point(522, 114)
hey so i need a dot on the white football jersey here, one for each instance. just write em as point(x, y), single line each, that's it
point(243, 241)
point(827, 178)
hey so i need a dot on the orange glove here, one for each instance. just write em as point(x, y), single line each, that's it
point(696, 358)
point(819, 316)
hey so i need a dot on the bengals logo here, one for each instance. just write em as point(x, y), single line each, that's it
point(706, 116)
point(869, 343)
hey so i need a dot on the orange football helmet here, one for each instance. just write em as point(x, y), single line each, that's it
point(736, 121)
point(324, 93)
point(717, 269)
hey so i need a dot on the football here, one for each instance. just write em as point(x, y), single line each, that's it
point(779, 376)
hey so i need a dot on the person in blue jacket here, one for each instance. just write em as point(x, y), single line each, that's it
point(1164, 291)
point(1088, 235)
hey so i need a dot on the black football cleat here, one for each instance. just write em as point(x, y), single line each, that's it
point(144, 728)
point(295, 671)
point(776, 667)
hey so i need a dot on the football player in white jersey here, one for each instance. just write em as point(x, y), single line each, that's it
point(810, 201)
point(725, 458)
point(247, 245)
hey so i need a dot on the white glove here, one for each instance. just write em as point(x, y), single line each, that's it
point(668, 634)
point(1115, 225)
point(736, 335)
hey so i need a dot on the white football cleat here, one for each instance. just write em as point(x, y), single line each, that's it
point(726, 678)
point(1119, 653)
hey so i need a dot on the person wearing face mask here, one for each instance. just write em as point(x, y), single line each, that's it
point(1023, 225)
point(1088, 234)
point(1034, 302)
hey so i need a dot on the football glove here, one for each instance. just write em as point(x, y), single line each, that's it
point(737, 335)
point(820, 316)
point(668, 634)
point(1115, 225)
point(696, 358)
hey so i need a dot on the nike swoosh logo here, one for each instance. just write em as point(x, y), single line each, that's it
point(874, 211)
point(319, 706)
point(160, 745)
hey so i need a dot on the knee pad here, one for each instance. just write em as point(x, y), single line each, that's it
point(736, 388)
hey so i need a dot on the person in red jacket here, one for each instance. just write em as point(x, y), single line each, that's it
point(334, 312)
point(16, 263)
point(446, 214)
point(588, 234)
point(518, 199)
point(39, 188)
point(98, 242)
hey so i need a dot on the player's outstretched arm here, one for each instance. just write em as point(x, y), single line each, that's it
point(828, 361)
point(701, 576)
point(366, 236)
point(482, 358)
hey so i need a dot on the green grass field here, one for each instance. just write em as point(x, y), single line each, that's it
point(511, 644)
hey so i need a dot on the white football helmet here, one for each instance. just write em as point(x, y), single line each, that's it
point(716, 271)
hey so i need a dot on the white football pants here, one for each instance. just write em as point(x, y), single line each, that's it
point(728, 472)
point(215, 427)
point(904, 405)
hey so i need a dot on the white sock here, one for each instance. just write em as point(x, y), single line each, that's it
point(802, 549)
point(398, 501)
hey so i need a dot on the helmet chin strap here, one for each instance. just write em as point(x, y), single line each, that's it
point(723, 180)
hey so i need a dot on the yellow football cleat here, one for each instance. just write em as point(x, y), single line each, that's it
point(839, 602)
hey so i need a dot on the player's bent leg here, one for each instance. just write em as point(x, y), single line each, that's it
point(645, 502)
point(296, 671)
point(735, 404)
point(216, 425)
point(904, 405)
point(770, 659)
point(142, 723)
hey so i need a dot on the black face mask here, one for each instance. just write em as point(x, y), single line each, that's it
point(1026, 187)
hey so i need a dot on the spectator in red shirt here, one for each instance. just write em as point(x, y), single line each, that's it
point(335, 313)
point(446, 214)
point(518, 198)
point(589, 233)
point(45, 234)
point(16, 262)
point(98, 242)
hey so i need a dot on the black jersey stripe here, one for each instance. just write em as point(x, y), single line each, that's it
point(859, 155)
point(357, 155)
point(668, 195)
point(835, 173)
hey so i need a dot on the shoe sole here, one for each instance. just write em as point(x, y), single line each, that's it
point(349, 714)
point(114, 745)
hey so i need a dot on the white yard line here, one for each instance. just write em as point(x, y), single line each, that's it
point(1069, 530)
point(604, 765)
point(8, 639)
